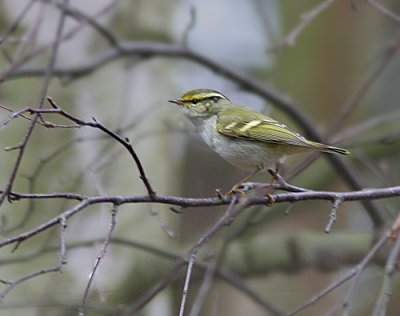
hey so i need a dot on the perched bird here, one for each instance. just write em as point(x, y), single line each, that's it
point(244, 137)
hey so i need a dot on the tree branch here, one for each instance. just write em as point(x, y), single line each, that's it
point(292, 197)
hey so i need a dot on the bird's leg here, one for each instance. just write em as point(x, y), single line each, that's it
point(238, 188)
point(275, 176)
point(275, 173)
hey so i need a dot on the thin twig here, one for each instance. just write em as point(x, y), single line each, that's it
point(381, 8)
point(351, 104)
point(95, 124)
point(107, 241)
point(60, 262)
point(351, 290)
point(333, 214)
point(41, 50)
point(81, 16)
point(382, 301)
point(13, 27)
point(185, 290)
point(306, 18)
point(171, 275)
point(223, 221)
point(63, 250)
point(204, 288)
point(351, 274)
point(45, 86)
point(190, 26)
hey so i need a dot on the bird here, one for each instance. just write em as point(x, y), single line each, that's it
point(248, 139)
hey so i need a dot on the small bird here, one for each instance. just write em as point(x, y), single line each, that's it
point(244, 137)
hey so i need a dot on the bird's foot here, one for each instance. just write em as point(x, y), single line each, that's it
point(270, 200)
point(237, 189)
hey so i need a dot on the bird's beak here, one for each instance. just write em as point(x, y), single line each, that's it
point(178, 102)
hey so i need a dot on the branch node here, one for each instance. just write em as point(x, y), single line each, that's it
point(63, 221)
point(177, 210)
point(52, 103)
point(11, 148)
point(16, 245)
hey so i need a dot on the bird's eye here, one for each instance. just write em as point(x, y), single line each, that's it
point(215, 99)
point(195, 101)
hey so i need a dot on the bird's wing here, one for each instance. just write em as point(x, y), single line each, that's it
point(257, 127)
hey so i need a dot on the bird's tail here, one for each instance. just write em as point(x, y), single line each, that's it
point(329, 149)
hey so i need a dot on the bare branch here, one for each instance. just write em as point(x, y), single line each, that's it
point(190, 26)
point(81, 16)
point(354, 273)
point(349, 107)
point(387, 284)
point(106, 243)
point(12, 28)
point(292, 197)
point(61, 261)
point(95, 124)
point(381, 8)
point(358, 271)
point(306, 18)
point(41, 50)
point(46, 83)
point(333, 215)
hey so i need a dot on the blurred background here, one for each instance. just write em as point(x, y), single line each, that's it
point(341, 69)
